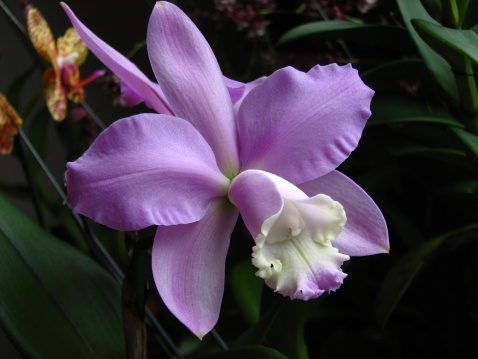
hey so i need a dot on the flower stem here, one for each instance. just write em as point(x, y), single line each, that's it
point(31, 184)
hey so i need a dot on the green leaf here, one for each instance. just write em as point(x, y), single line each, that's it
point(250, 352)
point(247, 289)
point(452, 44)
point(350, 31)
point(435, 63)
point(403, 273)
point(287, 331)
point(395, 109)
point(55, 302)
point(469, 140)
point(471, 16)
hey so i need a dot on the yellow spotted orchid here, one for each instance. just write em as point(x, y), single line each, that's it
point(62, 80)
point(10, 122)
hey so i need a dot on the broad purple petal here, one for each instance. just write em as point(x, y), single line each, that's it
point(259, 195)
point(144, 170)
point(300, 125)
point(365, 232)
point(188, 266)
point(129, 74)
point(188, 73)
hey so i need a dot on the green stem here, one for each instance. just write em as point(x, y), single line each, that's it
point(467, 90)
point(93, 115)
point(31, 184)
point(33, 101)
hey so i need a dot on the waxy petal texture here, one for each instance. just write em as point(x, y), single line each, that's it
point(189, 265)
point(121, 66)
point(365, 232)
point(301, 126)
point(144, 170)
point(189, 75)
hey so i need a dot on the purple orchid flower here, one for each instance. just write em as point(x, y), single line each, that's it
point(267, 150)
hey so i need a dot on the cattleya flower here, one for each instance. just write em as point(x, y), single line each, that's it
point(267, 150)
point(62, 80)
point(10, 122)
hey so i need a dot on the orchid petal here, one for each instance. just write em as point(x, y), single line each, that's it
point(10, 122)
point(189, 265)
point(71, 46)
point(144, 170)
point(365, 232)
point(301, 126)
point(55, 95)
point(258, 195)
point(41, 36)
point(70, 74)
point(188, 73)
point(294, 251)
point(121, 66)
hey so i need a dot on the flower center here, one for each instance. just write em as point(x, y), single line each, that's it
point(294, 252)
point(69, 59)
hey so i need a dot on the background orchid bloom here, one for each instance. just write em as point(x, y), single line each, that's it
point(62, 80)
point(10, 122)
point(272, 158)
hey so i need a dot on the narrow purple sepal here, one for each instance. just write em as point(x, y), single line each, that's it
point(128, 73)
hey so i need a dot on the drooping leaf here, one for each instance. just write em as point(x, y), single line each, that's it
point(55, 302)
point(350, 31)
point(452, 44)
point(469, 140)
point(435, 63)
point(395, 108)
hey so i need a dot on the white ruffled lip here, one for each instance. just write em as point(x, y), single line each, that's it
point(293, 252)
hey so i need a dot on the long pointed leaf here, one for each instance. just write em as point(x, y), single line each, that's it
point(435, 63)
point(54, 301)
